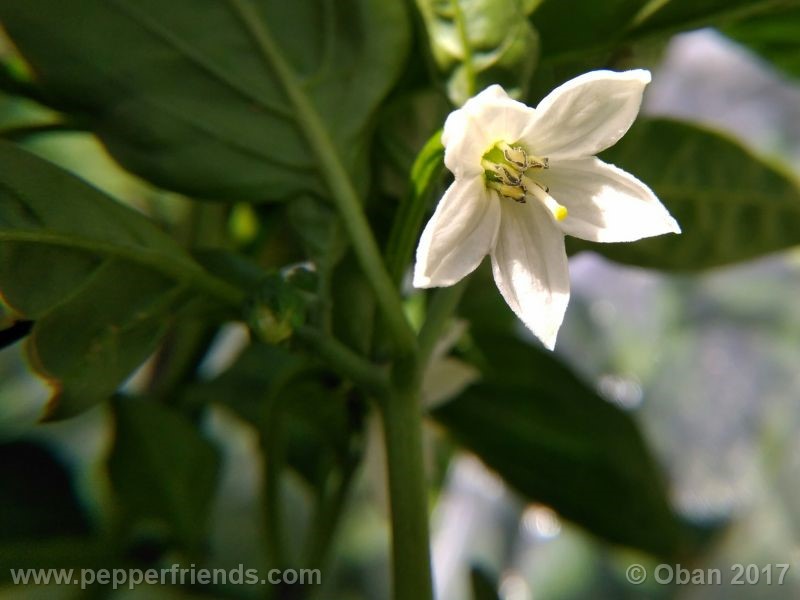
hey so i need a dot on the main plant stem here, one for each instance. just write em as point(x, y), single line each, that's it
point(411, 563)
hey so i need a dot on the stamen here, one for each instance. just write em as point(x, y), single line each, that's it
point(515, 192)
point(505, 168)
point(515, 155)
point(559, 211)
point(515, 179)
point(534, 162)
point(508, 175)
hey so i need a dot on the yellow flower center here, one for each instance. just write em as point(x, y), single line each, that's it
point(506, 171)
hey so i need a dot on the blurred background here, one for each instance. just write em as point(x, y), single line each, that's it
point(707, 365)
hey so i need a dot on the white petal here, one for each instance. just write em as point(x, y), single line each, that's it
point(469, 132)
point(586, 114)
point(530, 268)
point(605, 203)
point(460, 233)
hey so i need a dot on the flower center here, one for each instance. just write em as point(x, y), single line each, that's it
point(506, 171)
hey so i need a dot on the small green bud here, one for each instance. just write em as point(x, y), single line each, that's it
point(276, 309)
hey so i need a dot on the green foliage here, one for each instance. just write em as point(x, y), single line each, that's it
point(196, 104)
point(163, 472)
point(732, 205)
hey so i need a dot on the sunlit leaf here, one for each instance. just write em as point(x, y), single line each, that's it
point(100, 280)
point(184, 93)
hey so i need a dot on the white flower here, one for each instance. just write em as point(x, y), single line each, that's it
point(524, 177)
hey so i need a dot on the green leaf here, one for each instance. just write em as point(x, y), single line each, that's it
point(100, 280)
point(194, 104)
point(556, 441)
point(731, 205)
point(475, 43)
point(163, 471)
point(775, 36)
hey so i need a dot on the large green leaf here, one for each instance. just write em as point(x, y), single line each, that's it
point(731, 205)
point(163, 471)
point(572, 28)
point(479, 42)
point(775, 36)
point(99, 279)
point(192, 94)
point(556, 441)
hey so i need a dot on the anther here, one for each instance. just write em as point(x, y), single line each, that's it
point(515, 155)
point(535, 162)
point(514, 192)
point(509, 178)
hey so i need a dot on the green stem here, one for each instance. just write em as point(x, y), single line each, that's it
point(402, 427)
point(463, 34)
point(441, 307)
point(339, 184)
point(343, 360)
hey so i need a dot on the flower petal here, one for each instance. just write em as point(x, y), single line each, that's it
point(460, 233)
point(605, 203)
point(530, 268)
point(484, 120)
point(586, 114)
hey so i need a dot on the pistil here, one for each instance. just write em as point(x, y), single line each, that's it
point(559, 211)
